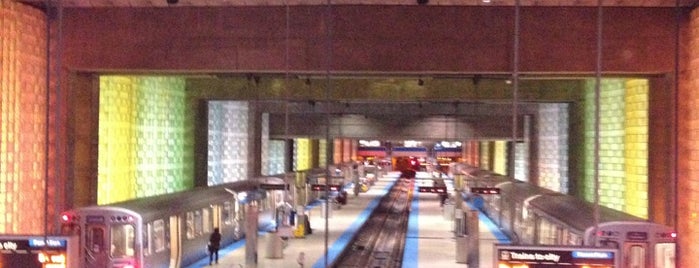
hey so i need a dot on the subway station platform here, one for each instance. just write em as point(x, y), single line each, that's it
point(431, 239)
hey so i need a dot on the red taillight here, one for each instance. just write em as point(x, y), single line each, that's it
point(66, 218)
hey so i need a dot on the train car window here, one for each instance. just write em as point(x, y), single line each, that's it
point(159, 239)
point(190, 225)
point(146, 239)
point(206, 220)
point(122, 241)
point(96, 239)
point(198, 223)
point(227, 213)
point(636, 256)
point(665, 255)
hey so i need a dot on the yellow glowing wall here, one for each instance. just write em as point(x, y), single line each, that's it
point(302, 154)
point(636, 147)
point(322, 153)
point(623, 145)
point(500, 157)
point(484, 159)
point(145, 139)
point(22, 118)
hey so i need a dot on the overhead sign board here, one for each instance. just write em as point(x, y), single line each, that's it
point(271, 186)
point(555, 256)
point(485, 190)
point(432, 189)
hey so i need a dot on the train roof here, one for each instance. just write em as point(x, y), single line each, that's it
point(166, 204)
point(520, 190)
point(575, 212)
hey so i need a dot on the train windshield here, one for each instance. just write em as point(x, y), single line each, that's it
point(122, 241)
point(665, 255)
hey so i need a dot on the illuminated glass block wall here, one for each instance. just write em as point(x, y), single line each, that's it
point(472, 152)
point(623, 156)
point(145, 138)
point(302, 154)
point(484, 158)
point(22, 118)
point(227, 153)
point(636, 147)
point(500, 157)
point(521, 163)
point(337, 151)
point(322, 153)
point(277, 157)
point(346, 150)
point(553, 146)
point(264, 145)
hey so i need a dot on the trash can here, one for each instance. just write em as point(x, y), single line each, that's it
point(274, 247)
point(459, 223)
point(462, 249)
point(449, 211)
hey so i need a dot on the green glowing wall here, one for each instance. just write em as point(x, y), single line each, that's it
point(623, 145)
point(145, 138)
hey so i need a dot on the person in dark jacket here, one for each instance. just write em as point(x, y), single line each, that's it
point(214, 245)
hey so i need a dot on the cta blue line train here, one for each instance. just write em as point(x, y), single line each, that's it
point(533, 215)
point(168, 230)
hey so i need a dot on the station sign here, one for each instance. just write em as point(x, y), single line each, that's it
point(432, 189)
point(37, 251)
point(271, 186)
point(321, 187)
point(485, 190)
point(555, 256)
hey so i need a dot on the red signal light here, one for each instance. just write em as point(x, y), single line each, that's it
point(66, 217)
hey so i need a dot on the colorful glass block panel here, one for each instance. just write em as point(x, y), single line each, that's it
point(145, 138)
point(302, 154)
point(22, 119)
point(500, 157)
point(228, 140)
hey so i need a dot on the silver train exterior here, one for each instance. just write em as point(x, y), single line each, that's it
point(532, 215)
point(170, 230)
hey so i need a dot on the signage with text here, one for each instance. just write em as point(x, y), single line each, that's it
point(555, 256)
point(432, 189)
point(34, 251)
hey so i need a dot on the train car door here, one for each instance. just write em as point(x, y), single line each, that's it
point(96, 253)
point(175, 242)
point(635, 255)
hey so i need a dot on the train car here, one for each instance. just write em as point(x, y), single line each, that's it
point(533, 215)
point(169, 230)
point(566, 220)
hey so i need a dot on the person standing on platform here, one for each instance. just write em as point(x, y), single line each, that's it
point(214, 245)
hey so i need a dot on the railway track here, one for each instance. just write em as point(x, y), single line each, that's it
point(380, 242)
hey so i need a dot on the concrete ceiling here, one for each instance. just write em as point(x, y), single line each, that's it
point(165, 3)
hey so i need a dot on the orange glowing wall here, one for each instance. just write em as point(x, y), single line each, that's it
point(23, 118)
point(688, 150)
